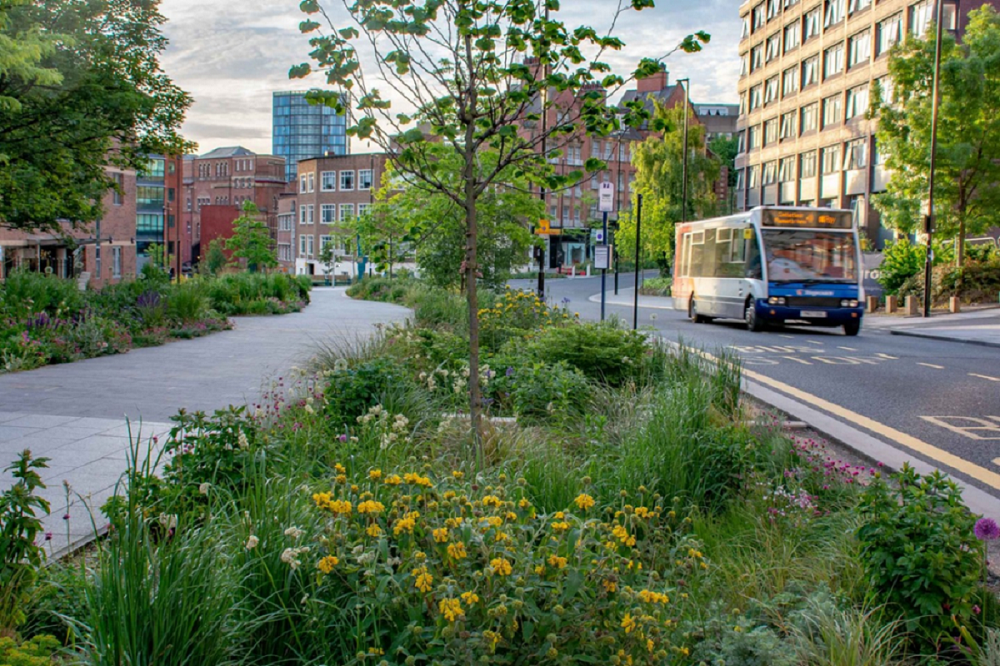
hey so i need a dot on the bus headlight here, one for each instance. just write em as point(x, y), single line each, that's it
point(852, 303)
point(776, 300)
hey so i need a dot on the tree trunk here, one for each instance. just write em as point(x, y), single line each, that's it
point(472, 293)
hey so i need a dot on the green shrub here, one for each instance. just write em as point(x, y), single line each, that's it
point(20, 556)
point(540, 390)
point(919, 554)
point(656, 286)
point(25, 293)
point(38, 651)
point(436, 308)
point(605, 352)
point(186, 302)
point(351, 392)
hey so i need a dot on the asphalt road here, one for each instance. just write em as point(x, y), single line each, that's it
point(945, 394)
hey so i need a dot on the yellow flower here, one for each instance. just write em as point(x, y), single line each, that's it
point(540, 569)
point(510, 515)
point(642, 512)
point(456, 551)
point(453, 522)
point(685, 651)
point(557, 562)
point(393, 480)
point(441, 535)
point(374, 530)
point(501, 567)
point(622, 535)
point(493, 521)
point(524, 504)
point(422, 579)
point(651, 597)
point(470, 598)
point(340, 468)
point(417, 480)
point(457, 474)
point(561, 526)
point(610, 586)
point(492, 500)
point(404, 525)
point(371, 507)
point(584, 501)
point(327, 564)
point(451, 609)
point(559, 515)
point(375, 474)
point(628, 623)
point(502, 536)
point(650, 645)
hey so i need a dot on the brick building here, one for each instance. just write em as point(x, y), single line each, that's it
point(331, 191)
point(228, 177)
point(807, 72)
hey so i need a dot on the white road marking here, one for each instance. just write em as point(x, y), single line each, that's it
point(892, 358)
point(797, 360)
point(992, 379)
point(815, 342)
point(931, 365)
point(847, 348)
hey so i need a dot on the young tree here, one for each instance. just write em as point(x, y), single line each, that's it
point(726, 148)
point(215, 258)
point(80, 88)
point(659, 178)
point(474, 74)
point(966, 196)
point(251, 240)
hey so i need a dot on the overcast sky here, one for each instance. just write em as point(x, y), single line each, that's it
point(232, 55)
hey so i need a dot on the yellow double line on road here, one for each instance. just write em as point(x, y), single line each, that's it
point(970, 469)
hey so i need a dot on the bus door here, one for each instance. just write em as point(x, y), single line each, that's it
point(729, 268)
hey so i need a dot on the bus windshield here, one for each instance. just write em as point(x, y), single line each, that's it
point(810, 256)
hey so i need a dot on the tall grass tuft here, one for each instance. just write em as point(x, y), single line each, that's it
point(850, 637)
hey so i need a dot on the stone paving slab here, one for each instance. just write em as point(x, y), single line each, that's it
point(81, 415)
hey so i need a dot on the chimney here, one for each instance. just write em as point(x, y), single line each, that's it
point(654, 83)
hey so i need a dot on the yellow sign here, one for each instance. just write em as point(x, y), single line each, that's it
point(748, 233)
point(544, 229)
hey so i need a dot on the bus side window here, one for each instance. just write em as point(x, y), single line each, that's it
point(754, 270)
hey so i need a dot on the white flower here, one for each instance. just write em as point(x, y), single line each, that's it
point(340, 365)
point(294, 532)
point(252, 542)
point(290, 557)
point(203, 488)
point(242, 441)
point(653, 316)
point(310, 409)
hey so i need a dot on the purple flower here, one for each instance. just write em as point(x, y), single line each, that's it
point(65, 516)
point(48, 536)
point(510, 371)
point(343, 438)
point(976, 610)
point(987, 530)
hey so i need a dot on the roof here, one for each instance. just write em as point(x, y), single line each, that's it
point(229, 151)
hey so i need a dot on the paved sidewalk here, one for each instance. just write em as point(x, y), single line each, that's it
point(78, 414)
point(626, 297)
point(978, 327)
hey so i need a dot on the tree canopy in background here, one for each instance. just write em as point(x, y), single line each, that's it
point(659, 168)
point(251, 240)
point(967, 199)
point(80, 88)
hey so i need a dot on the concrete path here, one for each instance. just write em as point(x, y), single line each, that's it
point(78, 414)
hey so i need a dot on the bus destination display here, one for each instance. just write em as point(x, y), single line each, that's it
point(810, 219)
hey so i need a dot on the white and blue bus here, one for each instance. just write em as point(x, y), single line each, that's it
point(772, 264)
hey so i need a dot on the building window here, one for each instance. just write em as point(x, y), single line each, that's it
point(744, 64)
point(302, 215)
point(834, 13)
point(771, 90)
point(832, 111)
point(365, 179)
point(921, 15)
point(860, 49)
point(887, 91)
point(328, 213)
point(312, 182)
point(810, 116)
point(790, 82)
point(810, 25)
point(889, 33)
point(771, 132)
point(328, 181)
point(770, 173)
point(857, 101)
point(346, 181)
point(324, 241)
point(773, 47)
point(833, 61)
point(755, 95)
point(746, 28)
point(363, 209)
point(830, 159)
point(773, 9)
point(741, 143)
point(878, 156)
point(786, 170)
point(756, 57)
point(346, 212)
point(810, 71)
point(753, 137)
point(792, 32)
point(787, 126)
point(807, 165)
point(117, 194)
point(310, 245)
point(758, 17)
point(858, 5)
point(302, 184)
point(855, 155)
point(116, 262)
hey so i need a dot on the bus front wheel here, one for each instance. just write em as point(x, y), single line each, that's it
point(852, 328)
point(750, 316)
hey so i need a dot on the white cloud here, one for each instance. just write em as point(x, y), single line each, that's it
point(232, 56)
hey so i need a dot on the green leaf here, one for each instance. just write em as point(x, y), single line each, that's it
point(308, 26)
point(300, 71)
point(309, 6)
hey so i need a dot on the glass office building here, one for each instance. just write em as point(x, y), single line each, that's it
point(301, 130)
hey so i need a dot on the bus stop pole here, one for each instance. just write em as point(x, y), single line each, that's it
point(638, 236)
point(604, 271)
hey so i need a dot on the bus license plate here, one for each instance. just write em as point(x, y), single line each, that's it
point(813, 314)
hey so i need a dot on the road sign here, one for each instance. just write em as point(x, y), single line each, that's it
point(544, 229)
point(606, 202)
point(599, 236)
point(602, 257)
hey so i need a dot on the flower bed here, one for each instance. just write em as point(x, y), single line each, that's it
point(629, 515)
point(45, 319)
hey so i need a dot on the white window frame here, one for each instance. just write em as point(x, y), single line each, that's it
point(347, 173)
point(328, 181)
point(310, 245)
point(328, 213)
point(790, 81)
point(810, 71)
point(812, 22)
point(858, 100)
point(793, 33)
point(116, 262)
point(833, 61)
point(834, 13)
point(349, 208)
point(889, 32)
point(860, 48)
point(361, 179)
point(787, 126)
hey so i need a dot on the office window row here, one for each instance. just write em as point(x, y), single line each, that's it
point(793, 80)
point(348, 180)
point(829, 160)
point(833, 12)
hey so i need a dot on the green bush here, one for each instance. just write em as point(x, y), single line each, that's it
point(920, 555)
point(605, 352)
point(656, 286)
point(38, 651)
point(351, 392)
point(540, 390)
point(20, 556)
point(901, 261)
point(186, 302)
point(26, 293)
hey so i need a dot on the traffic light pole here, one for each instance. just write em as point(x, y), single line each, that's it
point(604, 271)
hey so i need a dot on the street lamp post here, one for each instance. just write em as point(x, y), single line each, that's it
point(684, 162)
point(931, 219)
